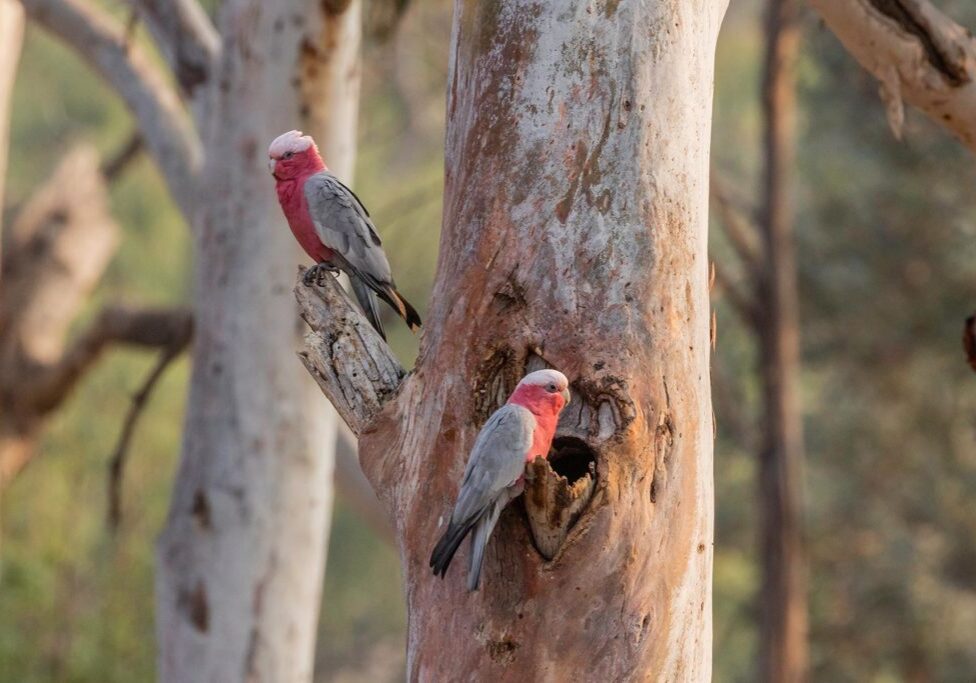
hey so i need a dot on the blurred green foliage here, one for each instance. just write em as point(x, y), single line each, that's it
point(885, 239)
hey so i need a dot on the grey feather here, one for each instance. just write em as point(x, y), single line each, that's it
point(491, 480)
point(496, 462)
point(369, 304)
point(482, 532)
point(343, 225)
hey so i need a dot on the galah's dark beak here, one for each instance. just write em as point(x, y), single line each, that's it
point(565, 393)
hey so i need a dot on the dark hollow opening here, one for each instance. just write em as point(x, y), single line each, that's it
point(572, 458)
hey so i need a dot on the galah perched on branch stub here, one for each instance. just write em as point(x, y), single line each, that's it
point(516, 434)
point(333, 226)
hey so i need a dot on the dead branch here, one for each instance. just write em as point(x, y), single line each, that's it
point(100, 40)
point(38, 390)
point(354, 367)
point(118, 164)
point(917, 53)
point(147, 328)
point(121, 452)
point(186, 37)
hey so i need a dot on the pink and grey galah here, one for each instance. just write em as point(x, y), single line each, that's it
point(513, 436)
point(333, 226)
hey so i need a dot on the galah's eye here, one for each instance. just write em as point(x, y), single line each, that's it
point(287, 155)
point(551, 388)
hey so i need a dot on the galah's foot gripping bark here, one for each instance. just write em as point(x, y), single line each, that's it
point(318, 273)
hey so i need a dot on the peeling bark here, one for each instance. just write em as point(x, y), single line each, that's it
point(918, 55)
point(586, 252)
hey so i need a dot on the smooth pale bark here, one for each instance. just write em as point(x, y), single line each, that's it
point(917, 53)
point(241, 560)
point(783, 589)
point(11, 39)
point(574, 235)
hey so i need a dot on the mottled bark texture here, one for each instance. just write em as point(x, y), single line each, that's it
point(574, 235)
point(783, 588)
point(917, 53)
point(241, 560)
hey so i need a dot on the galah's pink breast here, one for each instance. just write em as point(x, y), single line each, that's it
point(295, 208)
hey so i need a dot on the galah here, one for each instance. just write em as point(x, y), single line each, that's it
point(513, 436)
point(333, 226)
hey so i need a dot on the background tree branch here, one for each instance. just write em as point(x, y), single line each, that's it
point(58, 248)
point(102, 43)
point(917, 53)
point(186, 37)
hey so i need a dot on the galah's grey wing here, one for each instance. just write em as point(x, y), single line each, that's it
point(496, 462)
point(343, 225)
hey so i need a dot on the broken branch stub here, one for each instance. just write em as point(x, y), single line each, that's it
point(553, 503)
point(349, 360)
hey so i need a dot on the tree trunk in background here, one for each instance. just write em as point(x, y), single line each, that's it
point(783, 591)
point(331, 69)
point(241, 560)
point(11, 39)
point(574, 235)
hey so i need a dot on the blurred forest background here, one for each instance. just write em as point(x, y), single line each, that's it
point(886, 247)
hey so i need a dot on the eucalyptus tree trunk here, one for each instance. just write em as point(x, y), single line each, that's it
point(574, 235)
point(241, 561)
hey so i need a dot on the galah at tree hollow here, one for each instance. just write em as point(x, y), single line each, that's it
point(513, 436)
point(333, 226)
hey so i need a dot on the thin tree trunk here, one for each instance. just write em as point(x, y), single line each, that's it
point(574, 235)
point(241, 560)
point(331, 77)
point(11, 38)
point(783, 599)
